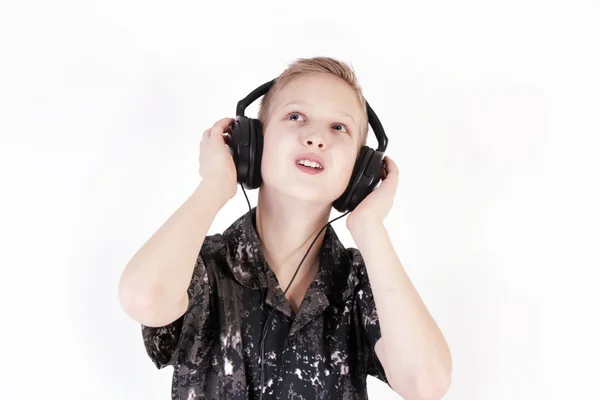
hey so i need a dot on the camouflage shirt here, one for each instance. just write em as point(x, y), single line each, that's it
point(323, 351)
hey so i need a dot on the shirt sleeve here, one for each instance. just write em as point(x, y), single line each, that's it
point(368, 321)
point(169, 344)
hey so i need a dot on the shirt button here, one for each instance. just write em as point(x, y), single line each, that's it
point(292, 340)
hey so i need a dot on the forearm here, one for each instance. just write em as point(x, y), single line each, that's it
point(417, 355)
point(153, 286)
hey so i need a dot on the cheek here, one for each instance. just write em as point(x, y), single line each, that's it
point(274, 154)
point(343, 171)
point(347, 163)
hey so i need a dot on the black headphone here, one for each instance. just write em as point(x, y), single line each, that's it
point(245, 141)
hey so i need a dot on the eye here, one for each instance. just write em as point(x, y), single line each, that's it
point(341, 127)
point(294, 116)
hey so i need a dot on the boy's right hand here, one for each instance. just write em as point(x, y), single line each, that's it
point(216, 163)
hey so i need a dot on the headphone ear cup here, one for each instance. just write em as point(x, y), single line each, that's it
point(254, 178)
point(341, 203)
point(368, 179)
point(258, 131)
point(240, 147)
point(365, 177)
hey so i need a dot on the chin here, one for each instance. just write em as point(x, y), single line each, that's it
point(310, 193)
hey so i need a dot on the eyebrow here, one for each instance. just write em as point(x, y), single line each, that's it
point(301, 102)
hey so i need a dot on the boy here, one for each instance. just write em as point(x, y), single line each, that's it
point(203, 301)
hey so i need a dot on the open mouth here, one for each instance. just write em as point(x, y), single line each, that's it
point(309, 167)
point(310, 164)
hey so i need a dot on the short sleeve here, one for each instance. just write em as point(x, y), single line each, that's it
point(171, 344)
point(364, 304)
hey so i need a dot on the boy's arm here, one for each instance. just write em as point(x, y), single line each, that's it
point(412, 349)
point(153, 286)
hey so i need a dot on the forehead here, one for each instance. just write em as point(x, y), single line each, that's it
point(324, 91)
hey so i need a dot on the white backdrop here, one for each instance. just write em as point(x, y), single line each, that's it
point(492, 113)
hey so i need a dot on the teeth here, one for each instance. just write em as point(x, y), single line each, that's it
point(311, 164)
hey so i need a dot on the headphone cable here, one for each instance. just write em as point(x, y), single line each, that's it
point(264, 331)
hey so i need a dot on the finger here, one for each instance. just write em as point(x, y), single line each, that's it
point(391, 164)
point(223, 122)
point(222, 125)
point(391, 167)
point(383, 172)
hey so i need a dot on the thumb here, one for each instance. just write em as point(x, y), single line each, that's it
point(220, 127)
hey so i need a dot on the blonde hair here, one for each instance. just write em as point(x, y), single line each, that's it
point(303, 66)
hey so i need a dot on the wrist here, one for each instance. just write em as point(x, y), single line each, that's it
point(362, 228)
point(218, 193)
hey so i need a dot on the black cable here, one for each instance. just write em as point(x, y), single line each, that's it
point(264, 331)
point(245, 195)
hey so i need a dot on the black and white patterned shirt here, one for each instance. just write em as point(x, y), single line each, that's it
point(323, 351)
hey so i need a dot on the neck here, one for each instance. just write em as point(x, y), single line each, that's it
point(287, 227)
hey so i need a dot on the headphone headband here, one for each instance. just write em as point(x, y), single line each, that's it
point(373, 120)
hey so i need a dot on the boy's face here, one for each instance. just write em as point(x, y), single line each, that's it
point(315, 115)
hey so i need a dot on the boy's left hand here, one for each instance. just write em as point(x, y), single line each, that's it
point(375, 207)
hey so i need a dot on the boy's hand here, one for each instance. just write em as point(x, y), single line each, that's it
point(375, 207)
point(216, 163)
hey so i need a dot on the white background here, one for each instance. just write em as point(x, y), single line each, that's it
point(492, 113)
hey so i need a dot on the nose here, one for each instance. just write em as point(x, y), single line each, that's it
point(315, 140)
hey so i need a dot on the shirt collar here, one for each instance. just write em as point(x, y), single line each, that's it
point(249, 268)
